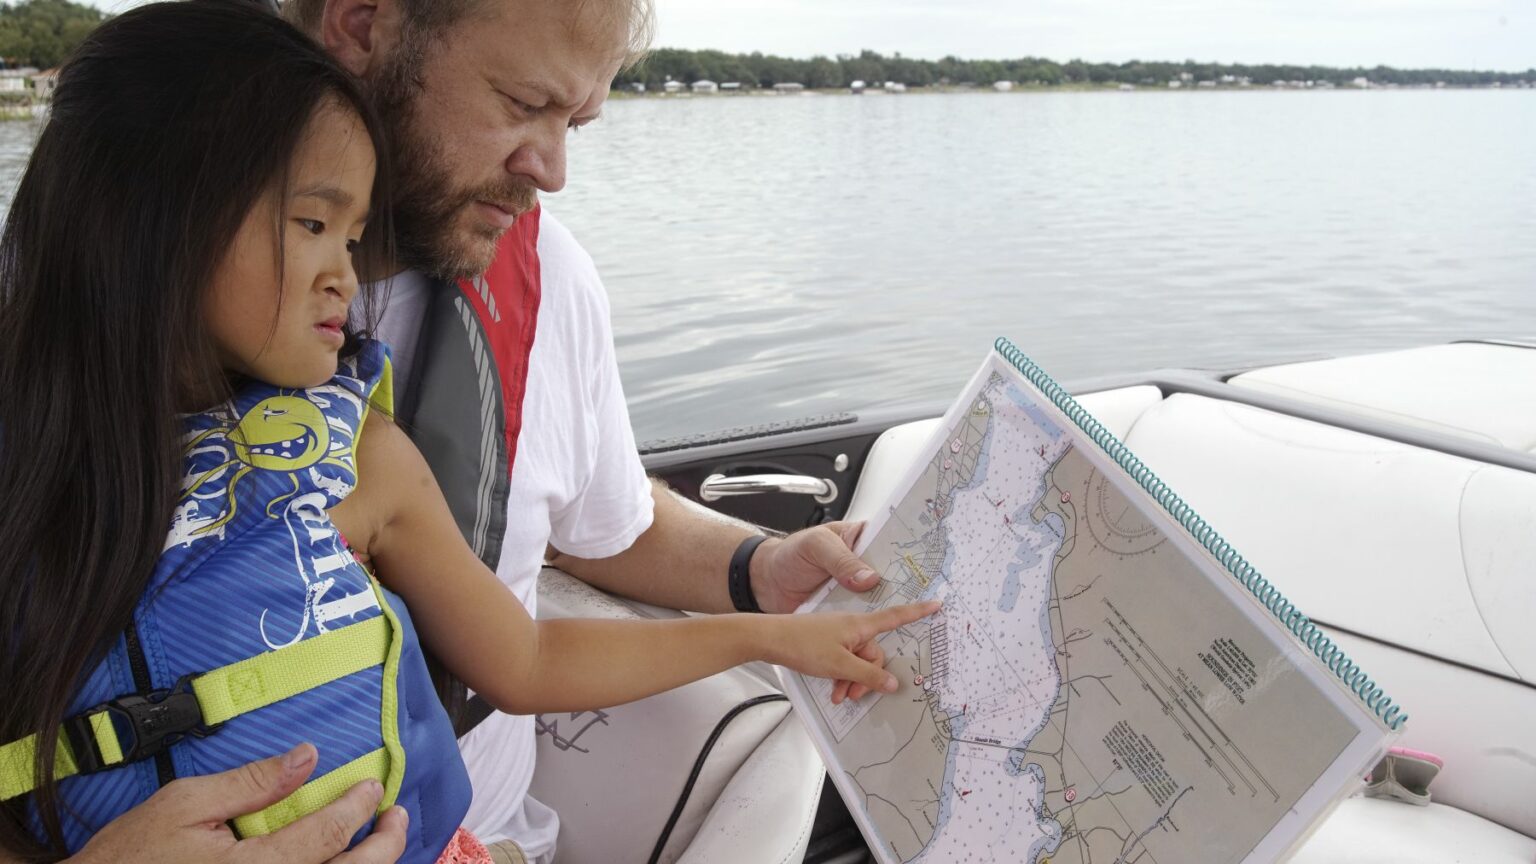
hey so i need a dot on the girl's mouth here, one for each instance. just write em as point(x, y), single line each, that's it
point(331, 329)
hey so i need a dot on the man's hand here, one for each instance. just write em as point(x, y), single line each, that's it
point(681, 561)
point(184, 823)
point(785, 573)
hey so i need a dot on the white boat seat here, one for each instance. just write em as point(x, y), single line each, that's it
point(1479, 724)
point(615, 779)
point(1485, 393)
point(1371, 831)
point(1413, 547)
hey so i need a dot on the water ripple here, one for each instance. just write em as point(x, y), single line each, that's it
point(770, 257)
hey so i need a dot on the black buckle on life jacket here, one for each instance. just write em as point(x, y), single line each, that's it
point(154, 720)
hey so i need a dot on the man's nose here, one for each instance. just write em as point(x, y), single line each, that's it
point(541, 160)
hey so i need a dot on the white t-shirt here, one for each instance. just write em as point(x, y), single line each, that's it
point(577, 484)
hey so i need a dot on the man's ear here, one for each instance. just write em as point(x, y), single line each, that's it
point(360, 34)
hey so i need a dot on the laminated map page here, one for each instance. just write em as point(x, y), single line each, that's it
point(1098, 687)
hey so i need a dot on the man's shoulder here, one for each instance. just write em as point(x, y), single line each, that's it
point(555, 238)
point(568, 277)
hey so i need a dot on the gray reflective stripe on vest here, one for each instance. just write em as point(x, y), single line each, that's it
point(455, 415)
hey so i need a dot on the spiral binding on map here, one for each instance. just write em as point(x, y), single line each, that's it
point(1284, 610)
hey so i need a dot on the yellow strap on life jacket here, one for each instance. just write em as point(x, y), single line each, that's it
point(19, 758)
point(317, 793)
point(223, 694)
point(259, 681)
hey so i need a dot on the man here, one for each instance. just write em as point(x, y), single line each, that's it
point(478, 97)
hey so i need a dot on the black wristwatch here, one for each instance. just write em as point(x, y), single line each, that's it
point(740, 576)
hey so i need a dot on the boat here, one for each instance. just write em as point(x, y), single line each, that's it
point(1392, 496)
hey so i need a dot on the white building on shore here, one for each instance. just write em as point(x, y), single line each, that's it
point(15, 80)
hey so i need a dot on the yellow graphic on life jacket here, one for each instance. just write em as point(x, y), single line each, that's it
point(282, 433)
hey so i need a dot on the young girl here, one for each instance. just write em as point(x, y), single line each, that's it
point(176, 277)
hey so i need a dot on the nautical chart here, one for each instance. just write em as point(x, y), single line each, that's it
point(1090, 692)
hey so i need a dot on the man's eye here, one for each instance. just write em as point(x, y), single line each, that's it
point(313, 226)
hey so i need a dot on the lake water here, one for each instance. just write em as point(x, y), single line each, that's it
point(775, 257)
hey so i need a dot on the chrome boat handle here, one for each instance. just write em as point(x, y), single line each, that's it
point(717, 486)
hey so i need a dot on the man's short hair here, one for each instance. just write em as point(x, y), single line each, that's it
point(427, 19)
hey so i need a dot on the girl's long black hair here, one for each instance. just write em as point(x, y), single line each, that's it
point(168, 126)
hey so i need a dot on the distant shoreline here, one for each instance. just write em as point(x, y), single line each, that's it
point(678, 67)
point(1285, 87)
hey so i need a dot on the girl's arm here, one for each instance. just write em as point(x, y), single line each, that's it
point(474, 624)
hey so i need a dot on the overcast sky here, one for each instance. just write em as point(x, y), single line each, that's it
point(1456, 34)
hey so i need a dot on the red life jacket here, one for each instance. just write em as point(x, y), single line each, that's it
point(465, 406)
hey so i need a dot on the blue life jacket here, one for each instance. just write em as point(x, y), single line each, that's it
point(259, 631)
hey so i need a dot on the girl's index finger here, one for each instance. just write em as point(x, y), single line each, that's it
point(901, 616)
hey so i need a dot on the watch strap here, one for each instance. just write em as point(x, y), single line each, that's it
point(739, 578)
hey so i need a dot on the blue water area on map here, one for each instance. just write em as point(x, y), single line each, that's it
point(1037, 540)
point(1053, 682)
point(947, 788)
point(1015, 764)
point(1041, 538)
point(1025, 557)
point(1031, 408)
point(958, 722)
point(1048, 844)
point(1027, 510)
point(1056, 524)
point(1054, 833)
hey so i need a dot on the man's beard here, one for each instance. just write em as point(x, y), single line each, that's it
point(427, 209)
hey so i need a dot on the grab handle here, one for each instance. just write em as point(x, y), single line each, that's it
point(717, 486)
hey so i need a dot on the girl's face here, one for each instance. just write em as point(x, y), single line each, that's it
point(281, 322)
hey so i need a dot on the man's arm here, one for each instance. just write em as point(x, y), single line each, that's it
point(184, 823)
point(681, 562)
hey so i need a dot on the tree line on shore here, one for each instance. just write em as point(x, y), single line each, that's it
point(41, 33)
point(765, 70)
